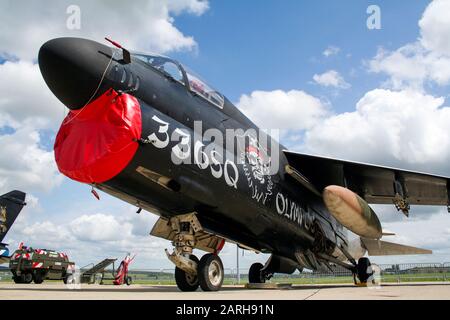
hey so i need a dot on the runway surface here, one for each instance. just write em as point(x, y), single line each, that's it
point(415, 291)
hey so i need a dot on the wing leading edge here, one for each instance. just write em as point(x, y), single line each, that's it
point(375, 184)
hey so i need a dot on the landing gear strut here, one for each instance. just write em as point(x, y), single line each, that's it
point(185, 227)
point(187, 281)
point(400, 200)
point(362, 270)
point(190, 273)
point(402, 204)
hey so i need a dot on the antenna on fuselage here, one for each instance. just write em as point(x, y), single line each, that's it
point(126, 57)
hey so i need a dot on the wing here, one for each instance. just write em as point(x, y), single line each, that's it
point(375, 184)
point(384, 248)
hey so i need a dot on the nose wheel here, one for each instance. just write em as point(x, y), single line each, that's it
point(187, 281)
point(209, 276)
point(190, 273)
point(210, 272)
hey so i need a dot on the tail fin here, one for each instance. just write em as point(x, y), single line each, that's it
point(384, 248)
point(11, 204)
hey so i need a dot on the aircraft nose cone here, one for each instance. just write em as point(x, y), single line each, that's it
point(73, 69)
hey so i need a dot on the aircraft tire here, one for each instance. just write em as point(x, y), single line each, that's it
point(210, 272)
point(364, 270)
point(254, 274)
point(186, 282)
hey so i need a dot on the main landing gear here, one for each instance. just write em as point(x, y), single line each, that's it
point(256, 274)
point(190, 272)
point(364, 270)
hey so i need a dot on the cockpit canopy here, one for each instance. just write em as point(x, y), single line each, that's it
point(174, 70)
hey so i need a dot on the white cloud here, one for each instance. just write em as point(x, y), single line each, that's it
point(91, 237)
point(401, 126)
point(47, 234)
point(331, 78)
point(388, 214)
point(331, 51)
point(435, 27)
point(25, 98)
point(147, 24)
point(99, 227)
point(27, 106)
point(412, 66)
point(32, 202)
point(425, 61)
point(190, 6)
point(24, 164)
point(282, 110)
point(141, 223)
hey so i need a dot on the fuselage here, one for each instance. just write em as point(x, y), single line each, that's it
point(176, 169)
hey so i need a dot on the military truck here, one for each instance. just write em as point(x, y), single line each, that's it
point(28, 264)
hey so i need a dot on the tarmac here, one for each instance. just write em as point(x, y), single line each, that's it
point(56, 291)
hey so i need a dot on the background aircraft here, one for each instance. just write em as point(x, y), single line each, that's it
point(131, 132)
point(11, 204)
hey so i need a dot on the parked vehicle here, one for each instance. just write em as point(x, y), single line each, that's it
point(28, 264)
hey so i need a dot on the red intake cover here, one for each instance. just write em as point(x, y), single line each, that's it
point(95, 143)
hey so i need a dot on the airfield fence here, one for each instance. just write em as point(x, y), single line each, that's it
point(396, 273)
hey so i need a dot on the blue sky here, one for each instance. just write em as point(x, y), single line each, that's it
point(248, 50)
point(249, 45)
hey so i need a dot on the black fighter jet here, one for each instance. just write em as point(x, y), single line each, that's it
point(147, 130)
point(11, 204)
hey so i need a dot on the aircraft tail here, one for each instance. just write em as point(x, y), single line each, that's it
point(384, 248)
point(11, 204)
point(4, 254)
